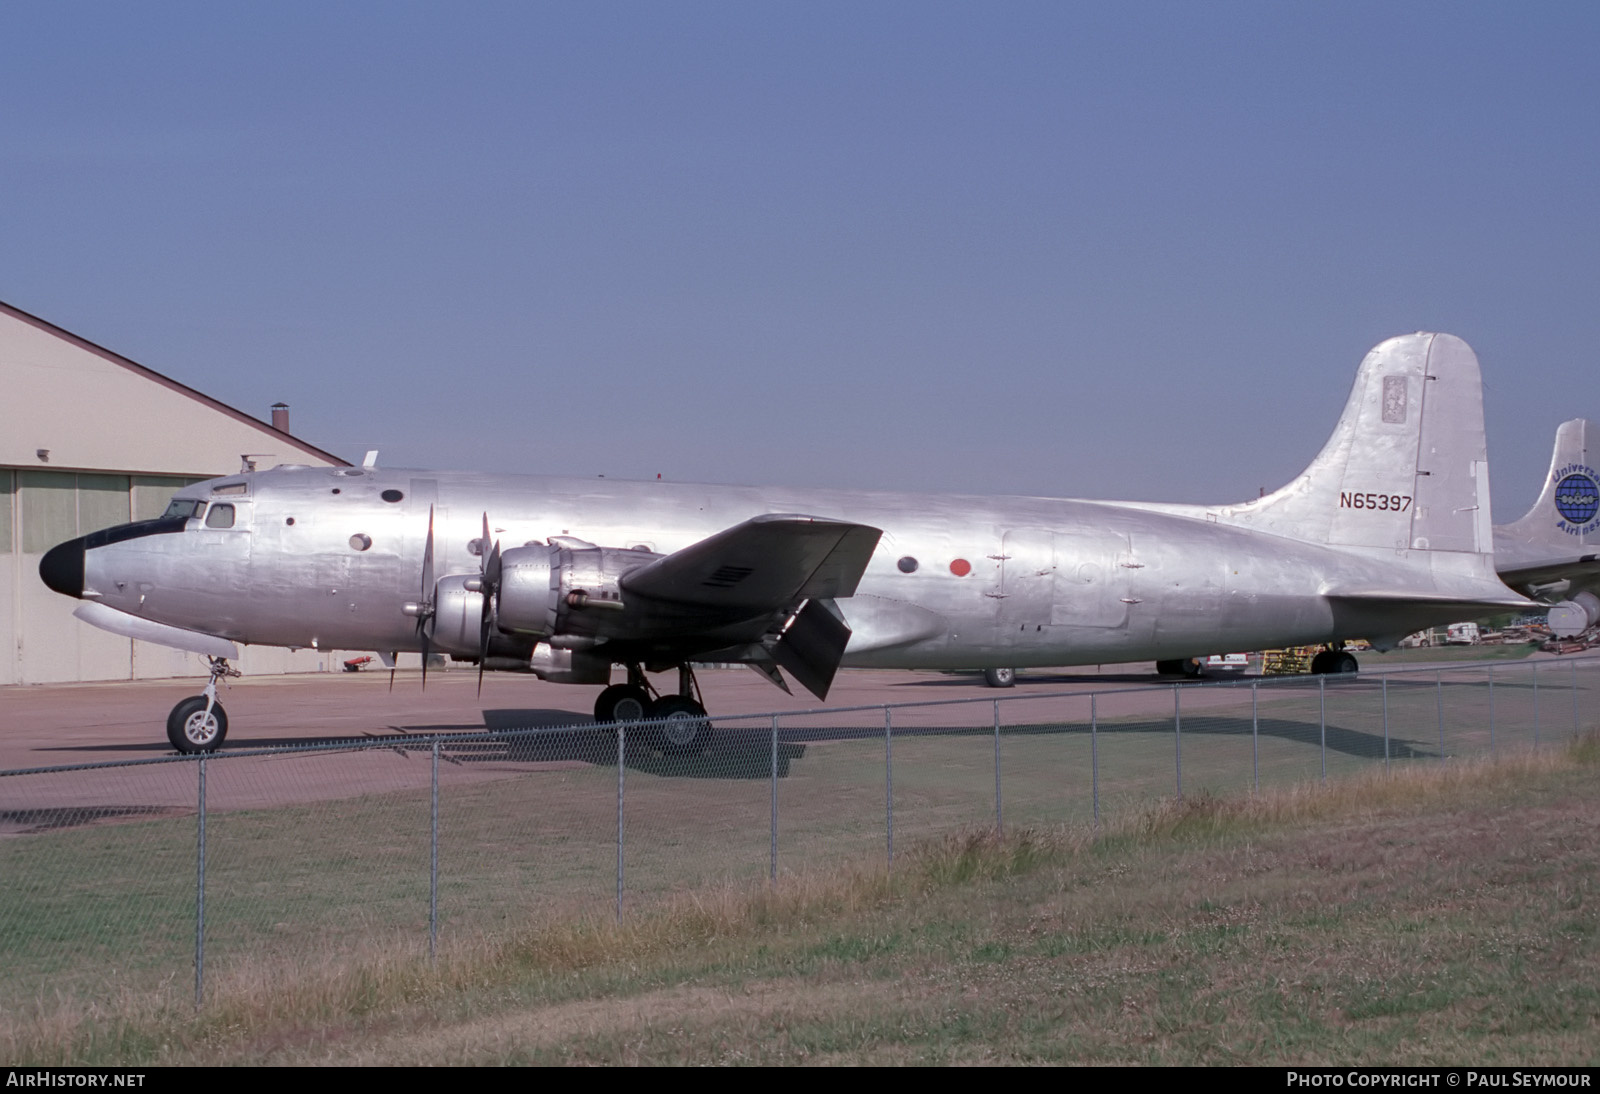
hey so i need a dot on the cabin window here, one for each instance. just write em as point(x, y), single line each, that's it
point(907, 564)
point(360, 542)
point(220, 516)
point(391, 495)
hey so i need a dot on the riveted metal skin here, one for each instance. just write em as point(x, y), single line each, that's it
point(1387, 531)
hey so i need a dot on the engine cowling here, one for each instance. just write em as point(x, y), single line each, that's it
point(548, 590)
point(1573, 617)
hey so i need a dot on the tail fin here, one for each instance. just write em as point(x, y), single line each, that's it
point(1406, 468)
point(1566, 514)
point(1553, 552)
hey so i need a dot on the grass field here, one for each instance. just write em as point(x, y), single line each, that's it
point(91, 912)
point(1444, 913)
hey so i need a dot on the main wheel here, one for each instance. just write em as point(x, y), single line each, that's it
point(685, 729)
point(1000, 678)
point(1180, 666)
point(191, 729)
point(1343, 662)
point(622, 703)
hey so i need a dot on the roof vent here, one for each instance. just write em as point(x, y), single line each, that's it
point(280, 417)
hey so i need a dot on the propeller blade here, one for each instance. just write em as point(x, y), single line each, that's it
point(425, 616)
point(490, 587)
point(427, 562)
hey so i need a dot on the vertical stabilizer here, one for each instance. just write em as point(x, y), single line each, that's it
point(1406, 467)
point(1567, 514)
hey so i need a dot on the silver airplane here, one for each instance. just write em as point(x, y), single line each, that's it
point(1388, 531)
point(1552, 553)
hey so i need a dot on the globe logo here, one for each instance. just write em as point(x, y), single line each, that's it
point(1577, 498)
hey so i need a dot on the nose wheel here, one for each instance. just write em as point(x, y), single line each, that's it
point(198, 723)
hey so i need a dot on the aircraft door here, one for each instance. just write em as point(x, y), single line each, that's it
point(1026, 586)
point(224, 547)
point(1091, 579)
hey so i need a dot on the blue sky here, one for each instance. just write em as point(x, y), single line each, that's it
point(1123, 250)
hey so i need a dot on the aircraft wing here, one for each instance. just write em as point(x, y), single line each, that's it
point(767, 563)
point(1533, 573)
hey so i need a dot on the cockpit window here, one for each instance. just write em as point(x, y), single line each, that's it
point(220, 516)
point(231, 488)
point(182, 508)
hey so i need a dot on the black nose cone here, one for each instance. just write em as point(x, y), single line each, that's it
point(62, 568)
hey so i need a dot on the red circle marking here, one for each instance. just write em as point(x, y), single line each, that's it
point(961, 567)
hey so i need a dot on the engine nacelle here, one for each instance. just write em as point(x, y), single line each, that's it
point(551, 590)
point(457, 625)
point(1573, 617)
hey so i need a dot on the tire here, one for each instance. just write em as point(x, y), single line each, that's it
point(1342, 662)
point(622, 703)
point(1000, 678)
point(190, 730)
point(685, 729)
point(1319, 663)
point(1193, 668)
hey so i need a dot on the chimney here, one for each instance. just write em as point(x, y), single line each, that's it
point(280, 417)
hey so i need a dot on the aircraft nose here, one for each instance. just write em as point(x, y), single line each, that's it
point(61, 568)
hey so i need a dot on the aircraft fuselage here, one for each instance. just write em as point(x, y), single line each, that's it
point(329, 557)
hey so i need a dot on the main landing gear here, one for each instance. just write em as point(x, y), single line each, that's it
point(1000, 678)
point(1182, 666)
point(198, 723)
point(1334, 661)
point(684, 728)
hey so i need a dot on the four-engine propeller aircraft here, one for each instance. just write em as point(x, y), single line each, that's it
point(1553, 553)
point(1386, 532)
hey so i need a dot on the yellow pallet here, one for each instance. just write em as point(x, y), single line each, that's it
point(1287, 662)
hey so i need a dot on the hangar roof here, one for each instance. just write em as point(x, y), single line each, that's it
point(92, 409)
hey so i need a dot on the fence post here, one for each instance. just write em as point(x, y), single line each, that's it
point(622, 763)
point(1491, 712)
point(1386, 723)
point(1574, 665)
point(888, 786)
point(1255, 738)
point(1322, 721)
point(1177, 738)
point(1094, 752)
point(433, 859)
point(999, 811)
point(1536, 704)
point(200, 892)
point(1438, 703)
point(772, 868)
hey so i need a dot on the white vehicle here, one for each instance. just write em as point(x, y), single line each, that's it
point(1462, 634)
point(1226, 662)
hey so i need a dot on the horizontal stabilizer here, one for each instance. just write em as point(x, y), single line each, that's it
point(812, 645)
point(1484, 602)
point(147, 630)
point(768, 562)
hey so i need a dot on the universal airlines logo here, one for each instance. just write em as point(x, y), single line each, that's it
point(1577, 499)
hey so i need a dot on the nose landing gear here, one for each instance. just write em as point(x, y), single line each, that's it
point(198, 723)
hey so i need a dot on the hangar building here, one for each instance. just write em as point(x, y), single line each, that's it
point(89, 439)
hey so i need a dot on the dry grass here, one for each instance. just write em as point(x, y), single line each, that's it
point(1442, 915)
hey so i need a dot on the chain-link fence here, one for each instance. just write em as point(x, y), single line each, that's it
point(138, 875)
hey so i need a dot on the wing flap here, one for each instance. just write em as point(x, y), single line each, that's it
point(769, 562)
